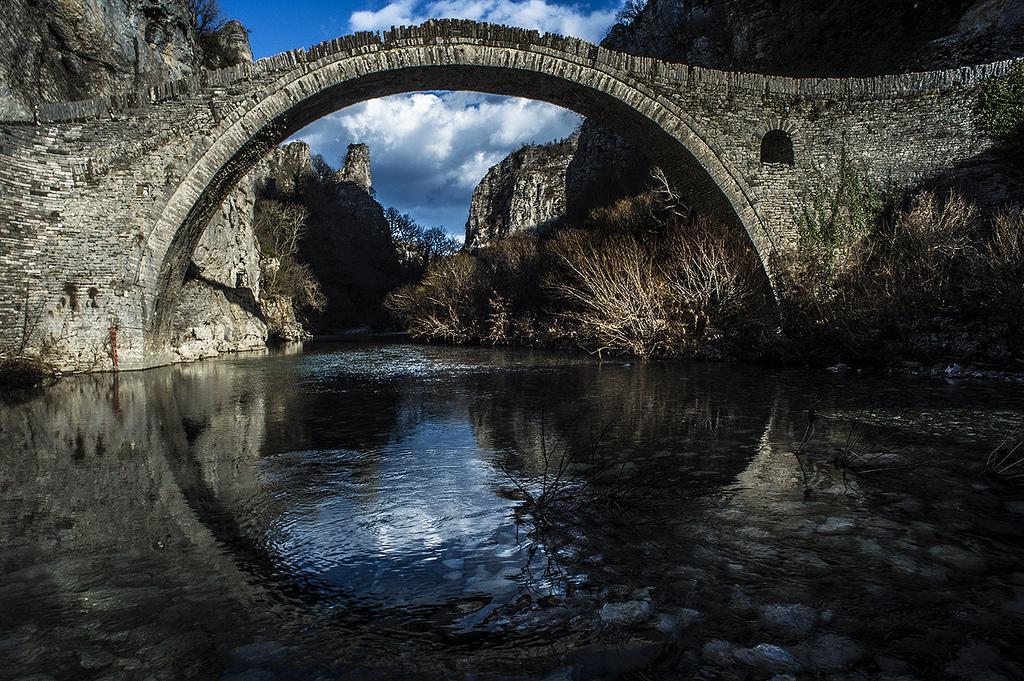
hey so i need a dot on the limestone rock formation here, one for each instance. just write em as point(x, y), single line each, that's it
point(349, 248)
point(810, 38)
point(227, 46)
point(228, 254)
point(212, 319)
point(66, 50)
point(523, 193)
point(357, 167)
point(347, 243)
point(62, 50)
point(219, 310)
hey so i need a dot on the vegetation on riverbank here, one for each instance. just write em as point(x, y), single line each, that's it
point(638, 277)
point(877, 278)
point(23, 375)
point(874, 279)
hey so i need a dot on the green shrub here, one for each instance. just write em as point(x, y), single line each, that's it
point(1002, 109)
point(839, 212)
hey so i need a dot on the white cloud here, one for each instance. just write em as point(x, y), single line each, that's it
point(575, 20)
point(430, 150)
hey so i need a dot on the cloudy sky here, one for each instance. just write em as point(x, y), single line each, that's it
point(428, 150)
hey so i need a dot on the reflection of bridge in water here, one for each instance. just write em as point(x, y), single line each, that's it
point(163, 465)
point(171, 473)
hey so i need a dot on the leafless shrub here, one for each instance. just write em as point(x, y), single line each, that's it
point(207, 16)
point(571, 479)
point(714, 279)
point(630, 12)
point(1001, 284)
point(1006, 461)
point(875, 280)
point(650, 296)
point(279, 226)
point(667, 196)
point(631, 215)
point(445, 305)
point(613, 290)
point(919, 258)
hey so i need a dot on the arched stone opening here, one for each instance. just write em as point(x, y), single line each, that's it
point(777, 148)
point(642, 117)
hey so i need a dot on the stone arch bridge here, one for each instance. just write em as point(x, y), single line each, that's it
point(102, 202)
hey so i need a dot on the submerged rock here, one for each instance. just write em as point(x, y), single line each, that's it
point(790, 621)
point(957, 558)
point(767, 656)
point(625, 614)
point(836, 525)
point(830, 652)
point(684, 618)
point(718, 653)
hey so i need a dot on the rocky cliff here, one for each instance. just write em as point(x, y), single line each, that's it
point(824, 38)
point(347, 242)
point(349, 248)
point(792, 37)
point(64, 50)
point(219, 309)
point(523, 193)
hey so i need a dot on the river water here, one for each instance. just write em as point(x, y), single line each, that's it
point(393, 511)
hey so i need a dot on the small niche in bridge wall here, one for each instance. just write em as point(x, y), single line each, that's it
point(777, 147)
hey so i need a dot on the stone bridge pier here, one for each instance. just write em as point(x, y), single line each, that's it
point(102, 202)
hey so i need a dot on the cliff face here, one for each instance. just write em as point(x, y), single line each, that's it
point(825, 38)
point(62, 50)
point(791, 37)
point(523, 193)
point(347, 242)
point(66, 50)
point(219, 309)
point(349, 248)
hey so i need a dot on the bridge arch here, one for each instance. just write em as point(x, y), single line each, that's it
point(573, 79)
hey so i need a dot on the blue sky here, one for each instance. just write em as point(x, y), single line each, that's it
point(428, 150)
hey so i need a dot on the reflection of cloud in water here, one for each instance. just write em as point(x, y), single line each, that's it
point(423, 526)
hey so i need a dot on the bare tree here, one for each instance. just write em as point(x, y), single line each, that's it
point(207, 16)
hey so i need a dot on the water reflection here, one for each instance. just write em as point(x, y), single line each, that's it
point(349, 511)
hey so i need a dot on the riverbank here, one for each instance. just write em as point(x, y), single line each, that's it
point(22, 375)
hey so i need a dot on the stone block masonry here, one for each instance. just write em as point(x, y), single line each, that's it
point(103, 203)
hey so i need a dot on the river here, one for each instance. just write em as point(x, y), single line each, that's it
point(397, 511)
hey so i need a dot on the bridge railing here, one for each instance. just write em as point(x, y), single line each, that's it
point(457, 30)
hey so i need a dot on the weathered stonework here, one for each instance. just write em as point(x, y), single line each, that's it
point(111, 196)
